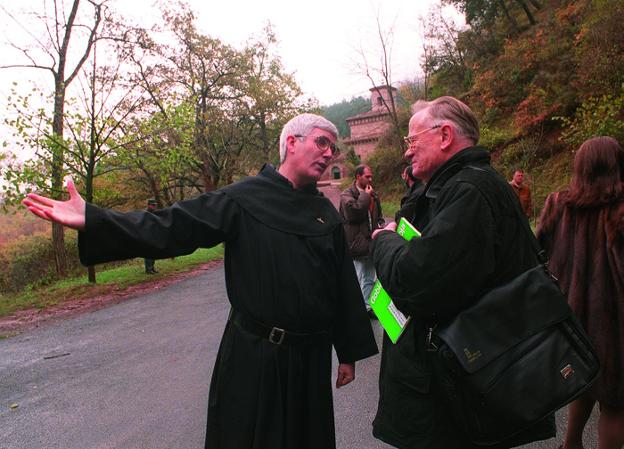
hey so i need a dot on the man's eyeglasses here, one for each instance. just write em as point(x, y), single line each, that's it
point(323, 143)
point(411, 140)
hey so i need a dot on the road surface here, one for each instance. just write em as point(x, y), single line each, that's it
point(136, 375)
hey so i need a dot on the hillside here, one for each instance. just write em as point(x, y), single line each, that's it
point(17, 222)
point(543, 76)
point(337, 113)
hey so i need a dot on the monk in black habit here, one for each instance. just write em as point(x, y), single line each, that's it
point(290, 281)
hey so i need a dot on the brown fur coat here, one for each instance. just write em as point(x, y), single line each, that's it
point(586, 250)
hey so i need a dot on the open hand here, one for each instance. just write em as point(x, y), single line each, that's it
point(69, 213)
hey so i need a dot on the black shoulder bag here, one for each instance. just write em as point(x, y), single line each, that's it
point(514, 357)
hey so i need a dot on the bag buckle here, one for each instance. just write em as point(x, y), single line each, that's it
point(276, 336)
point(430, 346)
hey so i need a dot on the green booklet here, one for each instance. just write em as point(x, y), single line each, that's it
point(392, 320)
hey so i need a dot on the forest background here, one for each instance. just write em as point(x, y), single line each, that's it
point(171, 117)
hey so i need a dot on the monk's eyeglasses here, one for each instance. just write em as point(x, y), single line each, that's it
point(323, 143)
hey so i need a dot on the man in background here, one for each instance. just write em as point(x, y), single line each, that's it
point(360, 210)
point(523, 192)
point(409, 201)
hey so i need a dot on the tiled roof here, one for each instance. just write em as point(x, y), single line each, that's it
point(368, 114)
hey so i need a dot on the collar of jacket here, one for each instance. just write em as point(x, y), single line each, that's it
point(468, 156)
point(271, 199)
point(354, 190)
point(271, 172)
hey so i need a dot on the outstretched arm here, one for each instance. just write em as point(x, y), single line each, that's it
point(69, 213)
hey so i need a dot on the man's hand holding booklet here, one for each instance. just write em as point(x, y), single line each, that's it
point(391, 319)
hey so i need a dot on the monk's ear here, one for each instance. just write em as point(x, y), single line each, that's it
point(290, 143)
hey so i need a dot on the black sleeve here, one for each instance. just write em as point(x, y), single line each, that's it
point(441, 272)
point(180, 229)
point(353, 337)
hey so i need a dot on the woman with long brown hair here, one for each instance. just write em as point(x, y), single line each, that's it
point(582, 230)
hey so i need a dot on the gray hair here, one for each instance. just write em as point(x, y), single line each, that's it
point(452, 110)
point(302, 125)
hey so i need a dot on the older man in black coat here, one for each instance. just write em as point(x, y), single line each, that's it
point(472, 240)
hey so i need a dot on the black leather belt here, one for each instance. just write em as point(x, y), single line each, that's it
point(275, 335)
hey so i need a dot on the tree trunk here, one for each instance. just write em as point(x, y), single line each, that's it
point(527, 11)
point(89, 199)
point(266, 147)
point(91, 274)
point(58, 233)
point(92, 154)
point(509, 17)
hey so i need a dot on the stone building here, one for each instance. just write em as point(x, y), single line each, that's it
point(368, 127)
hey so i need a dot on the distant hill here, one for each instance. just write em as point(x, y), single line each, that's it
point(337, 113)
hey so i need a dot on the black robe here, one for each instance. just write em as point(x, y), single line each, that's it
point(286, 265)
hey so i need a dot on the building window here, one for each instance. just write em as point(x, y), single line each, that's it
point(379, 101)
point(336, 172)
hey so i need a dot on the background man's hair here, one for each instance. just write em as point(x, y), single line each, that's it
point(302, 125)
point(452, 110)
point(359, 170)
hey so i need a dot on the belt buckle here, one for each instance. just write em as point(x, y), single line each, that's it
point(276, 336)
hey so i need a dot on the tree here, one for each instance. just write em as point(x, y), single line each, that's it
point(380, 76)
point(270, 96)
point(218, 108)
point(61, 30)
point(445, 53)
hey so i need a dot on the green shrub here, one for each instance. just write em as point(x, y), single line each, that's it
point(493, 137)
point(597, 116)
point(520, 155)
point(387, 165)
point(29, 261)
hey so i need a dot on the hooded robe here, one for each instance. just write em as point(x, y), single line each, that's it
point(286, 265)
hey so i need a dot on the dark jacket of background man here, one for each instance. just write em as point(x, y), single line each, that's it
point(356, 212)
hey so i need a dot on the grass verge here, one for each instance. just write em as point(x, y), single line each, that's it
point(126, 275)
point(389, 207)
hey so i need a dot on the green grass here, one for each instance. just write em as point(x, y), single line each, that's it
point(120, 277)
point(390, 207)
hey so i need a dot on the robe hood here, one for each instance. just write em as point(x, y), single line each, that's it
point(271, 199)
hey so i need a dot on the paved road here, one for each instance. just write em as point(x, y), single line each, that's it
point(135, 376)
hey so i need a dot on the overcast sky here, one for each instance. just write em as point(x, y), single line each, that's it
point(319, 43)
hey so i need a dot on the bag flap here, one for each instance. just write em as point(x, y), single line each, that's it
point(504, 317)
